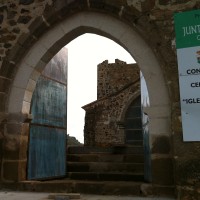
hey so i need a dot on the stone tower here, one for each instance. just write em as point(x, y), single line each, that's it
point(118, 84)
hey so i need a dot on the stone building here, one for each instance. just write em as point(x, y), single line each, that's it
point(33, 31)
point(118, 85)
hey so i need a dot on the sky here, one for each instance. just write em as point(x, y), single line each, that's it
point(84, 54)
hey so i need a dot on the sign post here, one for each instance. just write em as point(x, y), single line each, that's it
point(187, 28)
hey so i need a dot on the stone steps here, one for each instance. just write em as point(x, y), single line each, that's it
point(103, 157)
point(93, 187)
point(105, 167)
point(85, 187)
point(136, 150)
point(117, 163)
point(109, 176)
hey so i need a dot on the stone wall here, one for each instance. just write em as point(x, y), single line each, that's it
point(113, 77)
point(14, 145)
point(23, 23)
point(118, 84)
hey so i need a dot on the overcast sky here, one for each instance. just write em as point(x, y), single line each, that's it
point(84, 54)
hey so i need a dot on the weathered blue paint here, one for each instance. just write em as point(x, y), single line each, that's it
point(56, 69)
point(47, 152)
point(47, 140)
point(49, 103)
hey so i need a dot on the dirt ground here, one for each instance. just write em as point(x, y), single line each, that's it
point(9, 195)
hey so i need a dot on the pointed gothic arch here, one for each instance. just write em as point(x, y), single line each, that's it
point(88, 22)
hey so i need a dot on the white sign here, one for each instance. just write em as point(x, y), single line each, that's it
point(189, 80)
point(187, 26)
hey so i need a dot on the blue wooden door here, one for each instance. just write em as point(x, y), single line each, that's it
point(47, 139)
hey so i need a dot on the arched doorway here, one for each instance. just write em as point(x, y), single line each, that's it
point(137, 133)
point(51, 42)
point(133, 123)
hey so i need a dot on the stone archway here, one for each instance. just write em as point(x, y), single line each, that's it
point(86, 22)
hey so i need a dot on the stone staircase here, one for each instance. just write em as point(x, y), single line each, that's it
point(117, 163)
point(117, 170)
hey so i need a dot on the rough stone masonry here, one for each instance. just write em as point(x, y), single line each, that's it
point(22, 25)
point(118, 85)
